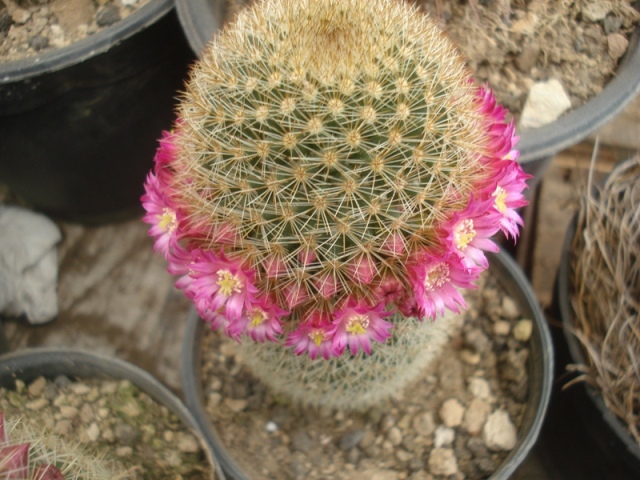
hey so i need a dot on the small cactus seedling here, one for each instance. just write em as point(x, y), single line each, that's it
point(333, 173)
point(29, 455)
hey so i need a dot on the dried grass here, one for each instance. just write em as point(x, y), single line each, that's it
point(606, 290)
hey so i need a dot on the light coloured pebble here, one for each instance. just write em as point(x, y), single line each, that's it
point(187, 443)
point(510, 308)
point(443, 436)
point(424, 424)
point(62, 427)
point(93, 395)
point(476, 416)
point(104, 412)
point(469, 357)
point(37, 404)
point(108, 435)
point(86, 413)
point(596, 11)
point(452, 412)
point(37, 387)
point(214, 399)
point(480, 388)
point(522, 330)
point(271, 426)
point(502, 328)
point(168, 436)
point(124, 451)
point(545, 103)
point(68, 411)
point(442, 461)
point(236, 405)
point(20, 386)
point(93, 432)
point(215, 384)
point(20, 16)
point(617, 45)
point(131, 409)
point(499, 433)
point(395, 436)
point(109, 388)
point(80, 388)
point(403, 455)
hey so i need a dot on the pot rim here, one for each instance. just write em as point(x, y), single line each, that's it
point(91, 46)
point(50, 361)
point(200, 21)
point(542, 349)
point(575, 347)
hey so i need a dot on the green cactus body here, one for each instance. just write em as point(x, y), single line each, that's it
point(334, 172)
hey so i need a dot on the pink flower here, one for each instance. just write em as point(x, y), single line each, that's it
point(467, 233)
point(435, 279)
point(220, 282)
point(313, 336)
point(507, 197)
point(356, 324)
point(161, 215)
point(261, 322)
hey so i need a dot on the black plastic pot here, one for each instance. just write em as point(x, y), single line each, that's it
point(581, 438)
point(540, 373)
point(29, 364)
point(202, 18)
point(79, 125)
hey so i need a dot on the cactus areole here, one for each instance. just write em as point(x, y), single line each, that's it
point(332, 171)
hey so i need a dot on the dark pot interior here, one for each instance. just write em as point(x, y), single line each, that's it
point(79, 125)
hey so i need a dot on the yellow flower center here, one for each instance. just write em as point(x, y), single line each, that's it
point(228, 282)
point(257, 316)
point(464, 233)
point(500, 195)
point(358, 324)
point(168, 221)
point(436, 277)
point(317, 336)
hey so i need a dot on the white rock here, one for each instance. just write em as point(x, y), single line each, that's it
point(596, 11)
point(443, 436)
point(476, 416)
point(480, 388)
point(502, 328)
point(545, 103)
point(510, 308)
point(442, 461)
point(499, 432)
point(28, 264)
point(451, 412)
point(522, 330)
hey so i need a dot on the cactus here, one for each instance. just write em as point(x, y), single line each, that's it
point(29, 455)
point(333, 173)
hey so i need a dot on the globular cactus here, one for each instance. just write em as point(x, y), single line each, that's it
point(27, 454)
point(333, 173)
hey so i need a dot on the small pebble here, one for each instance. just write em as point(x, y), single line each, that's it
point(522, 330)
point(444, 436)
point(502, 328)
point(499, 433)
point(236, 405)
point(93, 432)
point(36, 387)
point(108, 15)
point(452, 412)
point(442, 461)
point(37, 404)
